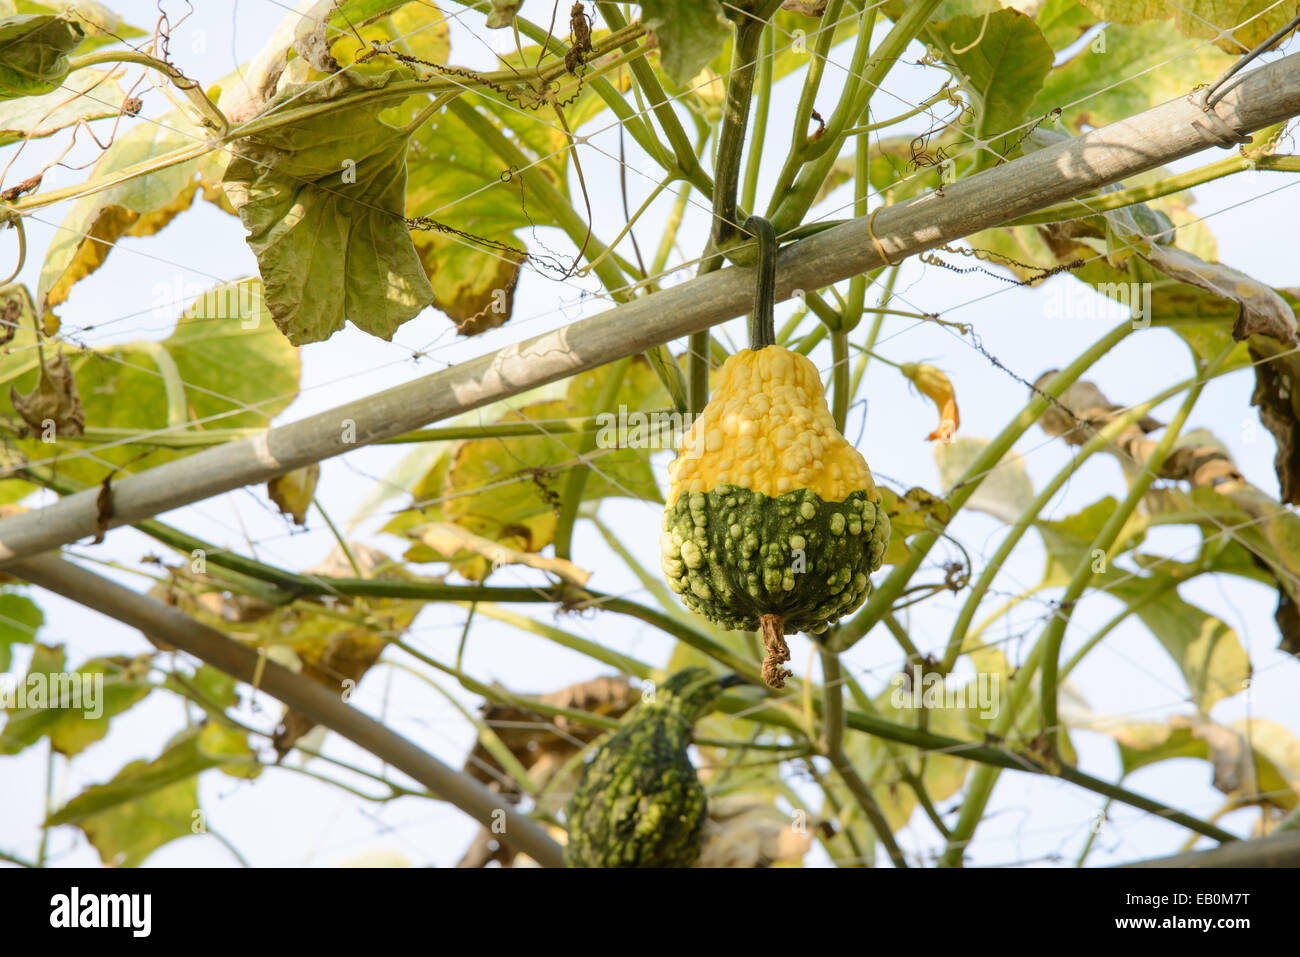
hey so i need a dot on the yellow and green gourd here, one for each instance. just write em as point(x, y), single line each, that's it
point(773, 521)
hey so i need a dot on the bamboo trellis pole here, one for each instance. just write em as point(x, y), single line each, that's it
point(1276, 850)
point(316, 702)
point(1179, 128)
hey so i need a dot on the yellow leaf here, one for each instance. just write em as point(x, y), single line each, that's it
point(448, 539)
point(294, 490)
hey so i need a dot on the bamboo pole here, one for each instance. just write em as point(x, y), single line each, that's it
point(316, 702)
point(1074, 167)
point(1276, 850)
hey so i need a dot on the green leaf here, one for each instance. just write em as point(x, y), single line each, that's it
point(34, 53)
point(1063, 22)
point(503, 13)
point(1206, 650)
point(911, 513)
point(149, 803)
point(1157, 65)
point(944, 774)
point(100, 690)
point(1255, 761)
point(86, 95)
point(323, 200)
point(25, 725)
point(1006, 488)
point(690, 33)
point(472, 255)
point(101, 25)
point(1068, 541)
point(231, 366)
point(414, 29)
point(1004, 68)
point(20, 618)
point(187, 755)
point(212, 690)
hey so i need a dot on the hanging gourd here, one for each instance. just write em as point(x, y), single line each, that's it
point(773, 521)
point(639, 801)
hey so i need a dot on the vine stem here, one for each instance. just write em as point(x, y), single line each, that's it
point(184, 438)
point(661, 106)
point(211, 113)
point(790, 206)
point(774, 714)
point(577, 480)
point(983, 781)
point(833, 749)
point(397, 90)
point(726, 182)
point(762, 321)
point(556, 203)
point(1029, 514)
point(808, 97)
point(1054, 633)
point(883, 597)
point(1170, 184)
point(758, 129)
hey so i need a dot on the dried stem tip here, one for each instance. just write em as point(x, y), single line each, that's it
point(778, 652)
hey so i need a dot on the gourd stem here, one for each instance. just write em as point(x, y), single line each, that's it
point(778, 652)
point(762, 322)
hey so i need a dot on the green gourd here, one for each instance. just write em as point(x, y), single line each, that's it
point(639, 801)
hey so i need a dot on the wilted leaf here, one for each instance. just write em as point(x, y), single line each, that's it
point(1263, 311)
point(34, 53)
point(54, 401)
point(451, 540)
point(743, 830)
point(337, 654)
point(1277, 395)
point(323, 201)
point(1005, 489)
point(1081, 410)
point(1245, 24)
point(1255, 761)
point(312, 39)
point(293, 492)
point(543, 743)
point(229, 368)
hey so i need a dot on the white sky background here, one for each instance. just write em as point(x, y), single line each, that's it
point(286, 819)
